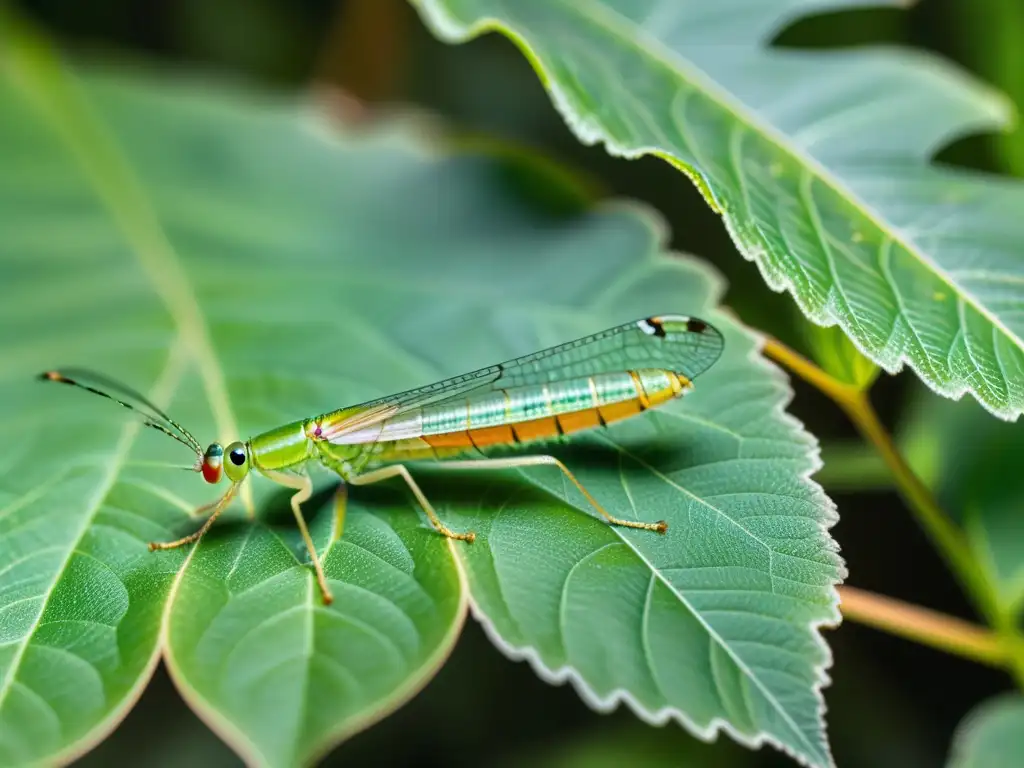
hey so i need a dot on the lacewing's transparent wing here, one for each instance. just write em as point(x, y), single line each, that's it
point(587, 382)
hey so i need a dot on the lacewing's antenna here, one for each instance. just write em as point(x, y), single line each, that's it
point(152, 415)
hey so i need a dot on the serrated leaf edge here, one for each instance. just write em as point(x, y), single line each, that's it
point(590, 132)
point(828, 519)
point(569, 674)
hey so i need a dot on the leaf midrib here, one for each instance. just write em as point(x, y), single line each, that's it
point(237, 737)
point(656, 573)
point(655, 48)
point(53, 91)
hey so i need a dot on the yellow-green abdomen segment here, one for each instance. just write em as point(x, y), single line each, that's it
point(522, 414)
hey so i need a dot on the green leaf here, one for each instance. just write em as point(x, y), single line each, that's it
point(707, 625)
point(991, 736)
point(144, 225)
point(838, 357)
point(245, 263)
point(818, 161)
point(281, 676)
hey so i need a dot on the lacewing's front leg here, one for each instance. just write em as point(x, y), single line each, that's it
point(303, 486)
point(218, 507)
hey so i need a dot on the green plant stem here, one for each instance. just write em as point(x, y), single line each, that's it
point(946, 536)
point(925, 626)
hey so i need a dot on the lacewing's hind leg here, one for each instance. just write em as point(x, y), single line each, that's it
point(511, 462)
point(303, 486)
point(519, 462)
point(400, 470)
point(218, 507)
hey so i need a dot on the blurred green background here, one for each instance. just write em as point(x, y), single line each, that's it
point(891, 703)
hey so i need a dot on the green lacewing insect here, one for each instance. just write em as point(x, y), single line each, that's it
point(582, 384)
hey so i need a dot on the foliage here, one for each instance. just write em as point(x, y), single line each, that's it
point(244, 262)
point(816, 161)
point(973, 463)
point(246, 258)
point(992, 736)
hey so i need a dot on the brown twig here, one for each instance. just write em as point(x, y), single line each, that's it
point(923, 625)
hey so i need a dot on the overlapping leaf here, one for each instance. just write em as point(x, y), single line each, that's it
point(818, 162)
point(972, 463)
point(991, 736)
point(234, 257)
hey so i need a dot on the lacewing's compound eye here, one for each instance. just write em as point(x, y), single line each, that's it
point(213, 461)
